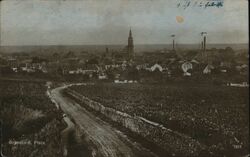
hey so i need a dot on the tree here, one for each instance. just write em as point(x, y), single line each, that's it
point(55, 55)
point(133, 74)
point(93, 61)
point(227, 54)
point(110, 74)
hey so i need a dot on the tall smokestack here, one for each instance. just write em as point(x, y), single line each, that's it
point(173, 36)
point(204, 43)
point(173, 45)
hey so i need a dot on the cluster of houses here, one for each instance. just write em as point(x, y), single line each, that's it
point(186, 67)
point(30, 66)
point(76, 66)
point(27, 65)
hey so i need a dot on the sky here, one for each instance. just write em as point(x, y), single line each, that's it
point(87, 22)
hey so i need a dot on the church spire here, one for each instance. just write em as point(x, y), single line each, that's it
point(130, 45)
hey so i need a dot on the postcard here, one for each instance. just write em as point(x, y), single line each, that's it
point(124, 78)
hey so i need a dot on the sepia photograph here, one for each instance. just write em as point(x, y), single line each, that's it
point(124, 78)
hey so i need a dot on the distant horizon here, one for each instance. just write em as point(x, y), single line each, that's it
point(138, 48)
point(134, 44)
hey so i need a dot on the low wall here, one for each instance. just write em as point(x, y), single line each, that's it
point(171, 141)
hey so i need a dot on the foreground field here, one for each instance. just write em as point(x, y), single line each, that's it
point(215, 116)
point(31, 124)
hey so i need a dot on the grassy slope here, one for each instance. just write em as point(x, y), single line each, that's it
point(27, 114)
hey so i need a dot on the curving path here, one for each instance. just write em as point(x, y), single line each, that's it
point(103, 139)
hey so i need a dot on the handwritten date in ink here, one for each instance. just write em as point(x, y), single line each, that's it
point(200, 3)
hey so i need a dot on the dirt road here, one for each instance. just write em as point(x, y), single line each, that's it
point(65, 134)
point(104, 140)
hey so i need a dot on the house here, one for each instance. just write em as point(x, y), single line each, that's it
point(208, 69)
point(27, 69)
point(243, 84)
point(142, 66)
point(26, 66)
point(87, 69)
point(14, 69)
point(125, 81)
point(185, 67)
point(124, 65)
point(38, 63)
point(194, 61)
point(77, 71)
point(156, 67)
point(111, 66)
point(117, 64)
point(72, 72)
point(223, 70)
point(243, 69)
point(102, 75)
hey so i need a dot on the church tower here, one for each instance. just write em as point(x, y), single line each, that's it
point(130, 45)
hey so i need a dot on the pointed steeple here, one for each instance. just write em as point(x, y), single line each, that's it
point(130, 45)
point(130, 33)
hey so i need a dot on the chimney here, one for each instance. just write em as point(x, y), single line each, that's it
point(204, 43)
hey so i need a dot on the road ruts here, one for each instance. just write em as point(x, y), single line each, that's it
point(104, 140)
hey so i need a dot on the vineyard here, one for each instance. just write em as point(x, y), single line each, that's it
point(215, 116)
point(27, 114)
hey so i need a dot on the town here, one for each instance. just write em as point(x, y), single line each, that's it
point(121, 64)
